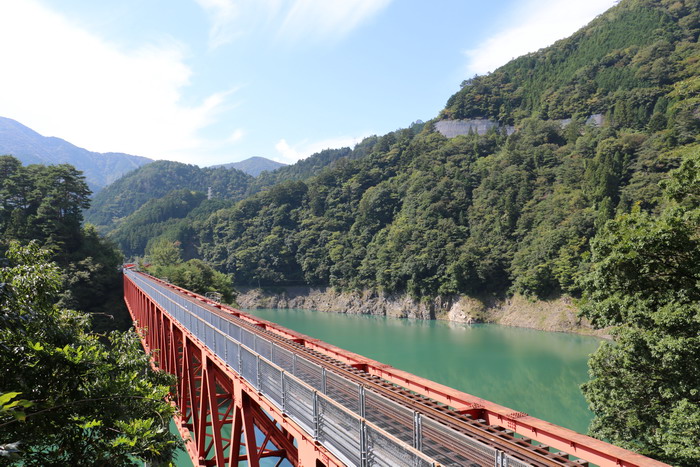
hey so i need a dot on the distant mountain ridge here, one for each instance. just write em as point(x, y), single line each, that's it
point(253, 165)
point(155, 180)
point(100, 169)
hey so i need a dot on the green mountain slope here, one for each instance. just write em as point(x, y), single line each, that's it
point(253, 166)
point(153, 218)
point(427, 215)
point(622, 65)
point(155, 180)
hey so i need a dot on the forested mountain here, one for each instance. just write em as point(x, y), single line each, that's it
point(100, 169)
point(155, 180)
point(148, 203)
point(421, 213)
point(171, 216)
point(253, 166)
point(636, 64)
point(310, 166)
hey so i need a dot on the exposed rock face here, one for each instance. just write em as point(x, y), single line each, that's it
point(554, 315)
point(327, 299)
point(480, 126)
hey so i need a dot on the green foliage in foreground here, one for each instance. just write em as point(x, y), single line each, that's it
point(645, 281)
point(67, 398)
point(195, 275)
point(44, 204)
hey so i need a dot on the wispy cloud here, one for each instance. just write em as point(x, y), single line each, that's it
point(293, 20)
point(64, 81)
point(289, 154)
point(237, 135)
point(326, 19)
point(535, 24)
point(222, 15)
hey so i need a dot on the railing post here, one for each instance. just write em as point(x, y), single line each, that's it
point(284, 392)
point(323, 380)
point(317, 418)
point(417, 431)
point(499, 459)
point(257, 371)
point(362, 400)
point(364, 454)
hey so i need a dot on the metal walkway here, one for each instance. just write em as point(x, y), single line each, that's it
point(249, 389)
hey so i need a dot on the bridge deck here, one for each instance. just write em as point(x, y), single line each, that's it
point(350, 409)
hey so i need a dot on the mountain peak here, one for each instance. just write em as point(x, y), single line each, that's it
point(31, 147)
point(253, 165)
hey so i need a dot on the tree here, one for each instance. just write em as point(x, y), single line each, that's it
point(80, 401)
point(164, 252)
point(645, 282)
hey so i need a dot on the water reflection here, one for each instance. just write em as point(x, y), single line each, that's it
point(531, 371)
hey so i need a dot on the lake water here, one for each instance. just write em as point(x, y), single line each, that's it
point(535, 372)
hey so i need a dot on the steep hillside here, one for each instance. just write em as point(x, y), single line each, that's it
point(133, 230)
point(427, 215)
point(155, 180)
point(100, 169)
point(153, 218)
point(623, 65)
point(253, 166)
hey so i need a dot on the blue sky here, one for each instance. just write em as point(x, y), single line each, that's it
point(215, 81)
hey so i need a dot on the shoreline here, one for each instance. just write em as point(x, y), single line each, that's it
point(556, 315)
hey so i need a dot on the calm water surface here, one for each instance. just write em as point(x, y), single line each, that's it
point(531, 371)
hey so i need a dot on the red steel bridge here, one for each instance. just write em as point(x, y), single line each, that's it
point(249, 391)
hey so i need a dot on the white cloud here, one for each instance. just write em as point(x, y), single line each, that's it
point(61, 80)
point(289, 154)
point(328, 19)
point(236, 136)
point(222, 14)
point(535, 24)
point(292, 19)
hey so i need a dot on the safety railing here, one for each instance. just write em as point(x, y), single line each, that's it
point(359, 426)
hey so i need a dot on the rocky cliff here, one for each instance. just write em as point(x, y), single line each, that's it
point(553, 315)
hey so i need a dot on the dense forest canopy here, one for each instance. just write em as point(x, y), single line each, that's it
point(45, 204)
point(155, 180)
point(70, 390)
point(635, 63)
point(644, 282)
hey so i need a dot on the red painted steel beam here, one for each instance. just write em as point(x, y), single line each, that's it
point(560, 438)
point(212, 398)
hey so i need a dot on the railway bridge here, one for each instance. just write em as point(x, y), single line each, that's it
point(249, 390)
